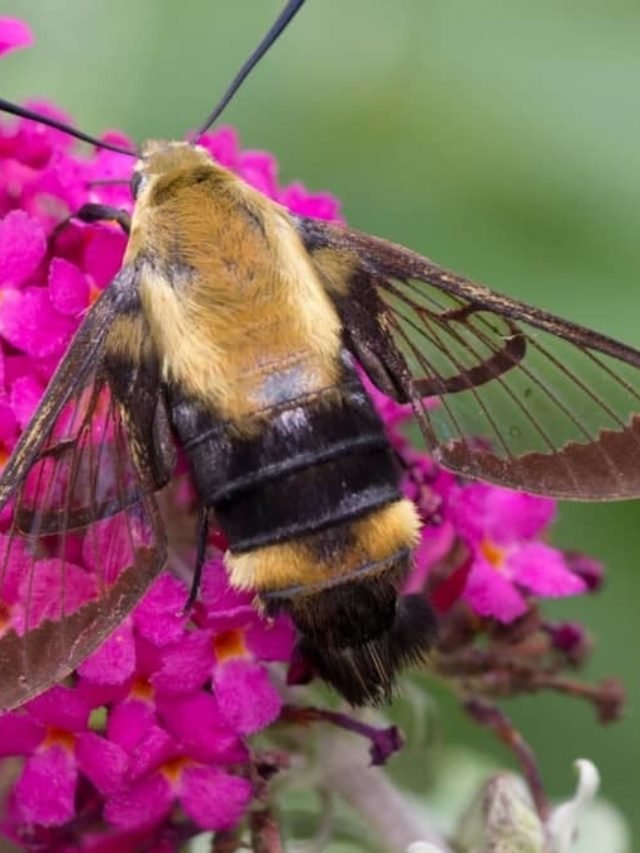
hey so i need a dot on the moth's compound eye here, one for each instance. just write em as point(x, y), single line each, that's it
point(137, 180)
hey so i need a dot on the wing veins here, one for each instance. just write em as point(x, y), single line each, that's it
point(462, 438)
point(500, 361)
point(354, 264)
point(418, 405)
point(535, 379)
point(542, 433)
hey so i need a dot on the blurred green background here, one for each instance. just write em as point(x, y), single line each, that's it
point(502, 139)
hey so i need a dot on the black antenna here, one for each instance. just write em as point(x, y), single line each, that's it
point(22, 112)
point(283, 20)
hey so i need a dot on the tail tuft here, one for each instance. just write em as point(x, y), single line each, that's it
point(357, 637)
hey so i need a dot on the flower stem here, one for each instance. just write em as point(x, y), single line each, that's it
point(492, 717)
point(265, 832)
point(346, 772)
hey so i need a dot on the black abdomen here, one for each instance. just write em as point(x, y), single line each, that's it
point(315, 475)
point(309, 463)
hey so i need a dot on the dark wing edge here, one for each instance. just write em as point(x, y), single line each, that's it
point(525, 399)
point(45, 655)
point(82, 538)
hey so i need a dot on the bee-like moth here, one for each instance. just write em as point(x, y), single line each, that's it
point(238, 334)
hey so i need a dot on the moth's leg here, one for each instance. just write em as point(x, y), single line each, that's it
point(203, 533)
point(92, 212)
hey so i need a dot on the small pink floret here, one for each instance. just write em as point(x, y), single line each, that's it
point(215, 800)
point(247, 699)
point(14, 34)
point(68, 288)
point(45, 792)
point(23, 244)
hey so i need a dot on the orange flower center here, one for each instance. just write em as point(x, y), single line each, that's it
point(229, 644)
point(171, 770)
point(493, 554)
point(142, 689)
point(58, 737)
point(5, 616)
point(94, 293)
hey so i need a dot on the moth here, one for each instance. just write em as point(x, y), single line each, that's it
point(234, 333)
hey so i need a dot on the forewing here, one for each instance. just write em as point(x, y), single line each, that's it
point(502, 391)
point(80, 534)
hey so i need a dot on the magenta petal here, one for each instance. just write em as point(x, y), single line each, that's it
point(19, 734)
point(514, 516)
point(160, 617)
point(36, 146)
point(30, 323)
point(14, 555)
point(117, 137)
point(26, 393)
point(14, 34)
point(129, 721)
point(47, 588)
point(61, 707)
point(270, 641)
point(467, 511)
point(435, 543)
point(542, 570)
point(223, 145)
point(114, 662)
point(68, 287)
point(318, 205)
point(213, 799)
point(99, 695)
point(103, 254)
point(247, 699)
point(218, 595)
point(107, 165)
point(60, 178)
point(489, 593)
point(109, 548)
point(22, 246)
point(143, 804)
point(154, 748)
point(45, 792)
point(186, 665)
point(197, 723)
point(8, 425)
point(102, 761)
point(259, 169)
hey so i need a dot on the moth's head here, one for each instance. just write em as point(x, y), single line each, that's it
point(161, 162)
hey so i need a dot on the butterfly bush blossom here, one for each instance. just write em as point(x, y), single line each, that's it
point(152, 739)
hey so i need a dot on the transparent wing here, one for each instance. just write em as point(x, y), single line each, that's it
point(502, 391)
point(516, 404)
point(80, 534)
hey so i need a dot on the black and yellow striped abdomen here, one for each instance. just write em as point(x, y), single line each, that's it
point(265, 401)
point(310, 503)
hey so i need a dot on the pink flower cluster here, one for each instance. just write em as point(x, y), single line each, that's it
point(160, 715)
point(14, 34)
point(180, 692)
point(499, 529)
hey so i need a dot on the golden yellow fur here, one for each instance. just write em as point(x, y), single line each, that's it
point(254, 301)
point(373, 538)
point(336, 268)
point(241, 319)
point(128, 337)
